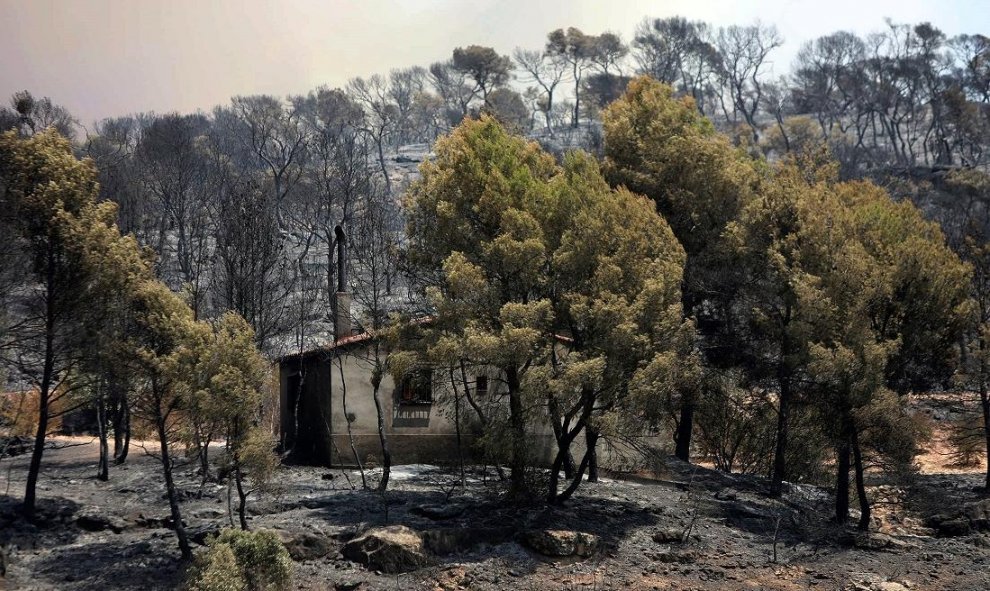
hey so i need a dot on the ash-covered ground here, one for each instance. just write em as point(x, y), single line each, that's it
point(687, 528)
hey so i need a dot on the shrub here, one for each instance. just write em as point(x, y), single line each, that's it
point(242, 561)
point(216, 570)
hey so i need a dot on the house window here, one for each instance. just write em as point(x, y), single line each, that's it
point(481, 385)
point(417, 388)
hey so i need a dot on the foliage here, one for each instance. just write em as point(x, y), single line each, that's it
point(519, 251)
point(216, 569)
point(239, 560)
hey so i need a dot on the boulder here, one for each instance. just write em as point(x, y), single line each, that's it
point(951, 528)
point(304, 545)
point(203, 534)
point(95, 522)
point(559, 543)
point(669, 535)
point(451, 540)
point(393, 549)
point(873, 541)
point(978, 514)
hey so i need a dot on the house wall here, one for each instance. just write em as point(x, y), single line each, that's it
point(334, 387)
point(417, 433)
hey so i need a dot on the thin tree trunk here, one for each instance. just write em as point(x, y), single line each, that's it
point(103, 470)
point(576, 481)
point(685, 425)
point(481, 416)
point(457, 426)
point(241, 495)
point(381, 162)
point(44, 395)
point(985, 403)
point(591, 436)
point(558, 434)
point(780, 449)
point(383, 437)
point(517, 427)
point(204, 458)
point(118, 431)
point(347, 419)
point(173, 500)
point(564, 450)
point(126, 425)
point(30, 491)
point(842, 481)
point(864, 503)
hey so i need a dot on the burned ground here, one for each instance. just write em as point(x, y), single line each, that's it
point(688, 528)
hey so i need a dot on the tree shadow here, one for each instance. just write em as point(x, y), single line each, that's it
point(111, 565)
point(482, 527)
point(51, 526)
point(926, 495)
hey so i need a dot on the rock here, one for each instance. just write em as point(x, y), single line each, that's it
point(438, 512)
point(455, 539)
point(949, 528)
point(890, 586)
point(208, 514)
point(202, 534)
point(677, 557)
point(726, 495)
point(669, 535)
point(303, 545)
point(149, 521)
point(872, 541)
point(557, 542)
point(97, 522)
point(393, 549)
point(978, 514)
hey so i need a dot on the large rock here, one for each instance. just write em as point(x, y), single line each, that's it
point(95, 522)
point(950, 528)
point(669, 535)
point(393, 549)
point(978, 514)
point(202, 534)
point(558, 542)
point(451, 540)
point(304, 545)
point(873, 541)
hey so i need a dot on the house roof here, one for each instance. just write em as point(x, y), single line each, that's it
point(342, 343)
point(364, 337)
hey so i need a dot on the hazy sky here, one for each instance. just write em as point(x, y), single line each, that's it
point(101, 58)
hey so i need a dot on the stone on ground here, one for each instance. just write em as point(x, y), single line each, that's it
point(559, 543)
point(393, 549)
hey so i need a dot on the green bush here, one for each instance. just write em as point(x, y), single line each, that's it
point(242, 561)
point(216, 570)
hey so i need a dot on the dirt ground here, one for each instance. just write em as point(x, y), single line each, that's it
point(113, 535)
